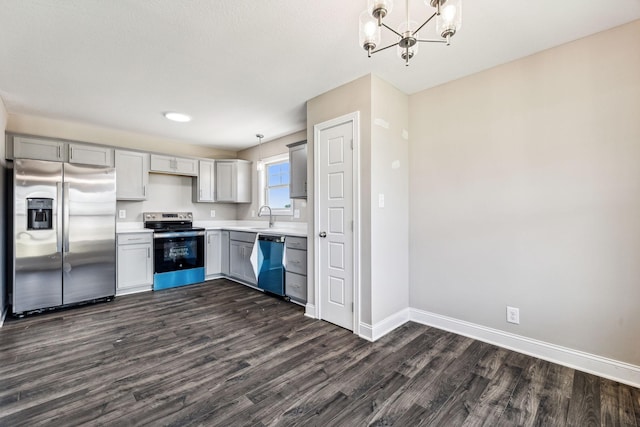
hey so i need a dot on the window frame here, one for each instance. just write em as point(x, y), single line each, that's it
point(262, 184)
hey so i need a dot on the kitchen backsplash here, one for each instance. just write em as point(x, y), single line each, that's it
point(174, 193)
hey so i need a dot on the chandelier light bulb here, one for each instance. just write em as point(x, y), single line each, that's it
point(369, 31)
point(379, 8)
point(449, 13)
point(450, 19)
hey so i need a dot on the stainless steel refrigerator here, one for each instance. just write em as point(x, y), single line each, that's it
point(63, 220)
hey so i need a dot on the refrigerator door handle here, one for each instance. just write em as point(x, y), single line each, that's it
point(65, 198)
point(59, 217)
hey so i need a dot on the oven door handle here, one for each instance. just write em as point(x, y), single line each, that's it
point(169, 234)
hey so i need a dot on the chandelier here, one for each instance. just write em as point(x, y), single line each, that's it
point(448, 14)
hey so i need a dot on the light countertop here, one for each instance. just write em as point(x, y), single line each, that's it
point(295, 229)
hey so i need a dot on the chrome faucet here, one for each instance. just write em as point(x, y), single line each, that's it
point(270, 215)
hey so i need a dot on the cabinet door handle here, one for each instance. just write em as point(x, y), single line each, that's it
point(144, 190)
point(209, 239)
point(148, 252)
point(59, 151)
point(323, 234)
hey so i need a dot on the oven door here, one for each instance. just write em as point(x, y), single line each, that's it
point(181, 250)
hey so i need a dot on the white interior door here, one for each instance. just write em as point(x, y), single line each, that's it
point(335, 215)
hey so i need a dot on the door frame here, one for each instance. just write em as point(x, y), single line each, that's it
point(354, 118)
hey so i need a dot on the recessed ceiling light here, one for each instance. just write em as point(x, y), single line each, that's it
point(177, 117)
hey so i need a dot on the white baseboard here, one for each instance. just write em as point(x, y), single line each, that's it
point(382, 328)
point(130, 291)
point(310, 311)
point(586, 362)
point(366, 331)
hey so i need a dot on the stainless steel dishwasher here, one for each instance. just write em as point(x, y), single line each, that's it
point(270, 265)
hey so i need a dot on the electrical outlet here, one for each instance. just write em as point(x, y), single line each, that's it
point(381, 200)
point(122, 214)
point(213, 213)
point(513, 315)
point(296, 213)
point(253, 214)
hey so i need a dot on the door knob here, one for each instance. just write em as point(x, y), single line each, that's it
point(323, 234)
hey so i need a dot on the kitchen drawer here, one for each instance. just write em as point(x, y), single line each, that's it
point(297, 261)
point(134, 238)
point(242, 236)
point(296, 242)
point(296, 286)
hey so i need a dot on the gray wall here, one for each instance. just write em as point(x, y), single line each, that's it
point(389, 177)
point(351, 97)
point(3, 209)
point(525, 191)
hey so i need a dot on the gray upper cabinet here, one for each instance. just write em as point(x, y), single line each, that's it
point(204, 185)
point(233, 181)
point(132, 175)
point(298, 170)
point(174, 165)
point(25, 147)
point(38, 149)
point(90, 155)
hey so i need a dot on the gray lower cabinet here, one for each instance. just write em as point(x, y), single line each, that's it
point(213, 259)
point(235, 259)
point(296, 269)
point(240, 248)
point(224, 252)
point(134, 263)
point(296, 286)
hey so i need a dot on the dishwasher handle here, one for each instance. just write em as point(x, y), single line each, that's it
point(271, 238)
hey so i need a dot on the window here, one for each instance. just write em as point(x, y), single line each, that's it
point(274, 182)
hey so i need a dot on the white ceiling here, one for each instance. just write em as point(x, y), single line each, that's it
point(245, 66)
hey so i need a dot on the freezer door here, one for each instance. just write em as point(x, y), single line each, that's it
point(37, 266)
point(89, 267)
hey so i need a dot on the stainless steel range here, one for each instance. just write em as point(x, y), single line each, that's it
point(178, 249)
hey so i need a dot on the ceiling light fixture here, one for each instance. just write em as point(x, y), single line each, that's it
point(177, 117)
point(259, 164)
point(448, 14)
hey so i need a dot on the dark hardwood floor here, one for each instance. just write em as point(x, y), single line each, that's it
point(222, 354)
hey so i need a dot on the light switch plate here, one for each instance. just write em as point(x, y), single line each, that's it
point(213, 213)
point(122, 214)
